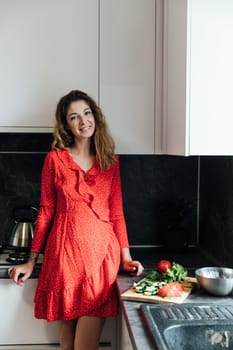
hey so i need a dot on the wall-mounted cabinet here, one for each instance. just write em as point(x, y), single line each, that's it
point(198, 77)
point(111, 49)
point(47, 48)
point(127, 72)
point(160, 78)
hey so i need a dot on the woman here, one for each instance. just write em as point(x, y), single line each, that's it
point(80, 227)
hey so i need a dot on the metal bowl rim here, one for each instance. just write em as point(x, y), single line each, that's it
point(199, 273)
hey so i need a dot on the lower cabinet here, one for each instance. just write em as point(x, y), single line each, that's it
point(125, 341)
point(18, 326)
point(103, 346)
point(109, 338)
point(19, 330)
point(30, 347)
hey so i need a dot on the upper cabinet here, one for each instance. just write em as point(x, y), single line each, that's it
point(47, 48)
point(198, 77)
point(111, 49)
point(127, 72)
point(160, 69)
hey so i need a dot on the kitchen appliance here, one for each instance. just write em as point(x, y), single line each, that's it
point(22, 233)
point(7, 260)
point(10, 256)
point(18, 257)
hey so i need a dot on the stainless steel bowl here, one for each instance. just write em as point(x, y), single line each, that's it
point(215, 280)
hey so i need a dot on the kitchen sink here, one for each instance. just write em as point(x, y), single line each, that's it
point(199, 337)
point(204, 326)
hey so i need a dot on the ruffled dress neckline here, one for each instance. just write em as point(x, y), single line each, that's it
point(88, 175)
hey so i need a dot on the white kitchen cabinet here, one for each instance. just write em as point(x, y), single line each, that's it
point(47, 48)
point(198, 77)
point(111, 49)
point(125, 341)
point(17, 322)
point(127, 72)
point(30, 347)
point(20, 330)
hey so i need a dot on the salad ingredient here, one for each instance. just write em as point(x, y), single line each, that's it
point(175, 273)
point(148, 287)
point(163, 284)
point(163, 265)
point(170, 290)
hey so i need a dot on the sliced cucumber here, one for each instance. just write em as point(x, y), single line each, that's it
point(149, 294)
point(150, 289)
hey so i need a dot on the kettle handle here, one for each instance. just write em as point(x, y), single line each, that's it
point(23, 207)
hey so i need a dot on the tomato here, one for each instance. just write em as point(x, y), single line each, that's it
point(172, 290)
point(163, 265)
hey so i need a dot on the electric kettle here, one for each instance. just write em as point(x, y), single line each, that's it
point(22, 233)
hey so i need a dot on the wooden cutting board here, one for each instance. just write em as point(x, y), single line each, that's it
point(188, 284)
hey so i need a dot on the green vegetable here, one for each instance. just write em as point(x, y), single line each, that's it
point(176, 273)
point(148, 287)
point(154, 275)
point(155, 280)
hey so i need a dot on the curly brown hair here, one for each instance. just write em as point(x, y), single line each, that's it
point(102, 144)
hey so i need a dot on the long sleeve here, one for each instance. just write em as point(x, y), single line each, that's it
point(116, 209)
point(47, 206)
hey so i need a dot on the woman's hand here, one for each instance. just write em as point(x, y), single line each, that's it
point(133, 266)
point(20, 273)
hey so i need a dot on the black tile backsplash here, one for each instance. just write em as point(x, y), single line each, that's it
point(216, 208)
point(154, 187)
point(21, 159)
point(160, 199)
point(20, 185)
point(25, 142)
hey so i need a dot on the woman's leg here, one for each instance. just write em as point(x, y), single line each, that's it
point(88, 331)
point(67, 334)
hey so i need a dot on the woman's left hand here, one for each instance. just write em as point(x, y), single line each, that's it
point(133, 266)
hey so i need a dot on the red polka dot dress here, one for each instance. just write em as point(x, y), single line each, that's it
point(81, 228)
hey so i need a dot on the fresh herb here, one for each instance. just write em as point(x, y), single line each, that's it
point(176, 273)
point(154, 275)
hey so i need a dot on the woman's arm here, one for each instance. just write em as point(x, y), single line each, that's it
point(45, 216)
point(119, 225)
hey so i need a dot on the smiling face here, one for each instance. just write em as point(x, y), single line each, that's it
point(80, 120)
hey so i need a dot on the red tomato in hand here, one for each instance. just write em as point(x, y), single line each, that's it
point(172, 290)
point(163, 265)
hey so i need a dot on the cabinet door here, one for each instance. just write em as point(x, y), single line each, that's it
point(175, 77)
point(198, 77)
point(18, 325)
point(211, 77)
point(17, 322)
point(108, 338)
point(127, 72)
point(125, 341)
point(31, 347)
point(47, 48)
